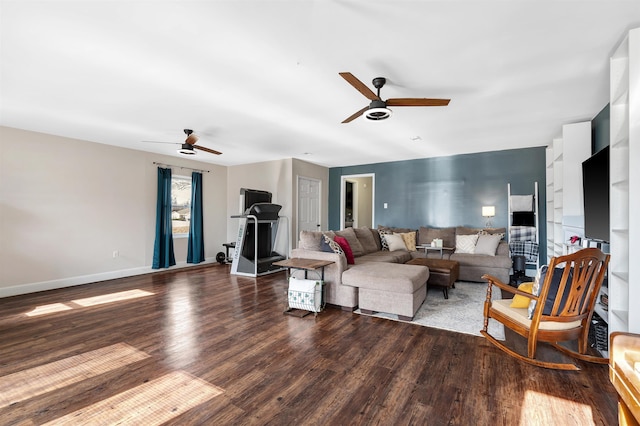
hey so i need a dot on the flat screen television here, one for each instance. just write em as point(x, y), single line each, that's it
point(249, 197)
point(595, 185)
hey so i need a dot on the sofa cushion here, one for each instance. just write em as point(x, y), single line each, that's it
point(311, 240)
point(495, 231)
point(447, 235)
point(350, 236)
point(465, 230)
point(399, 256)
point(366, 239)
point(398, 230)
point(482, 260)
point(376, 238)
point(392, 278)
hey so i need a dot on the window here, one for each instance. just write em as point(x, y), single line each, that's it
point(180, 204)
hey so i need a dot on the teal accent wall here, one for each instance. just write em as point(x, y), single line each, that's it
point(600, 130)
point(449, 191)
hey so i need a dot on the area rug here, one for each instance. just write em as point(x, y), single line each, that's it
point(462, 312)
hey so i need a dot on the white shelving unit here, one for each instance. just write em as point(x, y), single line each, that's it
point(565, 207)
point(624, 269)
point(549, 197)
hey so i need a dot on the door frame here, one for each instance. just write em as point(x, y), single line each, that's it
point(344, 179)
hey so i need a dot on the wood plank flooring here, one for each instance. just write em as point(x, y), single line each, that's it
point(250, 364)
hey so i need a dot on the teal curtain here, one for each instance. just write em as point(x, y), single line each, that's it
point(195, 253)
point(163, 256)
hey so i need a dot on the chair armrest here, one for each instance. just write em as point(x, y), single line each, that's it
point(506, 287)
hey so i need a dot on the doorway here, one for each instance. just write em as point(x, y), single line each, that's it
point(357, 193)
point(309, 208)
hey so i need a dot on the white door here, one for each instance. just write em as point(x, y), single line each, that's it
point(308, 204)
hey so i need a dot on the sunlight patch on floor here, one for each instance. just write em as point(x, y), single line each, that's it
point(152, 403)
point(539, 408)
point(35, 381)
point(113, 297)
point(88, 302)
point(48, 309)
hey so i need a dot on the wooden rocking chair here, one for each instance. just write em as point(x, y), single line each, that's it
point(556, 318)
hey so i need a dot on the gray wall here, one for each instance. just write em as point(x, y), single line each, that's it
point(448, 191)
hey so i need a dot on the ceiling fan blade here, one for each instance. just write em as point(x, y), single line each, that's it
point(360, 86)
point(209, 150)
point(356, 115)
point(191, 139)
point(417, 102)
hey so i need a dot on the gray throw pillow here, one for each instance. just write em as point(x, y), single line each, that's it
point(488, 244)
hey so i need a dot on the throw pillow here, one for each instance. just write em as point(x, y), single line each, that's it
point(409, 240)
point(324, 245)
point(487, 244)
point(395, 242)
point(334, 246)
point(344, 245)
point(553, 289)
point(520, 301)
point(383, 242)
point(466, 243)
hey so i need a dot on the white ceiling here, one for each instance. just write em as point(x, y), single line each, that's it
point(258, 80)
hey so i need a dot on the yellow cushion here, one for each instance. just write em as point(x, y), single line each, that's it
point(409, 239)
point(519, 301)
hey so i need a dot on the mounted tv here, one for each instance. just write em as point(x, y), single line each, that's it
point(249, 197)
point(595, 186)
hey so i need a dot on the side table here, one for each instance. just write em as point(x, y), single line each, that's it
point(305, 265)
point(431, 248)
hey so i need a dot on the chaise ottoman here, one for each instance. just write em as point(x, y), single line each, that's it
point(389, 287)
point(442, 273)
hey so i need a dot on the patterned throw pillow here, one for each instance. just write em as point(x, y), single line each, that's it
point(466, 243)
point(383, 232)
point(409, 240)
point(334, 246)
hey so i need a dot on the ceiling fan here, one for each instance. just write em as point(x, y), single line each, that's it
point(189, 144)
point(377, 109)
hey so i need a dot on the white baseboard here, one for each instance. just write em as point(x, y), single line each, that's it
point(92, 278)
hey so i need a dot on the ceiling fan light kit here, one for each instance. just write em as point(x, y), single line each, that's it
point(376, 114)
point(377, 109)
point(187, 150)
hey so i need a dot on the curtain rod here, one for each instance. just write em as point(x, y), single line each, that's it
point(181, 167)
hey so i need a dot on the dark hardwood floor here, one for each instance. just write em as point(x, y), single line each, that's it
point(199, 346)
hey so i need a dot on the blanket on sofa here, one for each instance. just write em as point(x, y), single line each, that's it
point(461, 313)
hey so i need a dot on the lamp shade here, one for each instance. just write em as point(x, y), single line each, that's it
point(488, 211)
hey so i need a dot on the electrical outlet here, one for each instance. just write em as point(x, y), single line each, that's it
point(386, 205)
point(115, 254)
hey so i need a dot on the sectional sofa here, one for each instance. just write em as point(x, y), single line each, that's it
point(367, 247)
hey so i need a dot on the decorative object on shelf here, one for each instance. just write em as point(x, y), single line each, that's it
point(488, 212)
point(574, 239)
